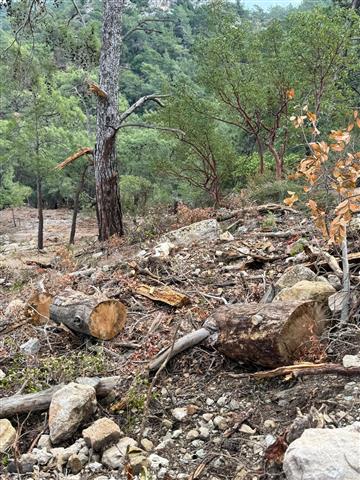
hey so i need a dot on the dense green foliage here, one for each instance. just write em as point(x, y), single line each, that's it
point(234, 79)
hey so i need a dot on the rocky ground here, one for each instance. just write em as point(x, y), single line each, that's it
point(200, 417)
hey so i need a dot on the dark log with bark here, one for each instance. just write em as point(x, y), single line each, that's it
point(102, 319)
point(40, 401)
point(267, 334)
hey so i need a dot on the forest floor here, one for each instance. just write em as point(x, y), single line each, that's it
point(239, 418)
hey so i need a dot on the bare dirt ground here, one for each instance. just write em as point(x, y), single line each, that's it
point(243, 420)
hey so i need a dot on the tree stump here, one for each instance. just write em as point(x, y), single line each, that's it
point(270, 334)
point(102, 319)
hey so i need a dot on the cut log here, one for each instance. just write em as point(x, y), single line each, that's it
point(38, 308)
point(40, 401)
point(163, 294)
point(102, 319)
point(267, 334)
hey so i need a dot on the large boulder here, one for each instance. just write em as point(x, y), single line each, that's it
point(204, 231)
point(306, 290)
point(325, 454)
point(7, 435)
point(69, 408)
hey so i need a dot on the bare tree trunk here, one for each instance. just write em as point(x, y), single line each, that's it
point(109, 210)
point(76, 205)
point(346, 282)
point(355, 4)
point(40, 213)
point(261, 156)
point(278, 163)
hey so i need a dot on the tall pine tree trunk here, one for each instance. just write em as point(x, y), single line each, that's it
point(109, 211)
point(40, 244)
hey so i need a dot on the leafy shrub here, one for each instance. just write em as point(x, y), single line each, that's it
point(264, 189)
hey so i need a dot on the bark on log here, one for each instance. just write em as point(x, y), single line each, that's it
point(268, 334)
point(40, 401)
point(89, 315)
point(163, 294)
point(38, 308)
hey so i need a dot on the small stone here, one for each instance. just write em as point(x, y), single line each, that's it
point(220, 422)
point(226, 236)
point(207, 416)
point(209, 402)
point(42, 456)
point(74, 464)
point(222, 401)
point(102, 433)
point(351, 361)
point(147, 444)
point(44, 442)
point(2, 374)
point(156, 462)
point(269, 440)
point(31, 347)
point(270, 424)
point(247, 429)
point(7, 435)
point(167, 423)
point(200, 453)
point(192, 435)
point(176, 433)
point(234, 405)
point(114, 456)
point(180, 413)
point(197, 443)
point(26, 463)
point(137, 459)
point(95, 467)
point(204, 433)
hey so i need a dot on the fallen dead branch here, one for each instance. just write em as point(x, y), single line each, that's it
point(40, 401)
point(301, 370)
point(73, 157)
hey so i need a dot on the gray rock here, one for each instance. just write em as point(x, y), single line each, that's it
point(114, 456)
point(31, 347)
point(7, 435)
point(294, 275)
point(306, 290)
point(325, 454)
point(26, 463)
point(42, 456)
point(180, 413)
point(44, 442)
point(69, 408)
point(203, 231)
point(95, 467)
point(220, 422)
point(156, 462)
point(102, 433)
point(192, 435)
point(204, 433)
point(137, 459)
point(351, 361)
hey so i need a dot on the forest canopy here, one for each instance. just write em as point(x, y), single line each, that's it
point(233, 81)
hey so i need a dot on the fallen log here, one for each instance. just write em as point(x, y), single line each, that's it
point(163, 294)
point(302, 369)
point(40, 401)
point(102, 319)
point(266, 334)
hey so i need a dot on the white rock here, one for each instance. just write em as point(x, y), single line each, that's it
point(207, 416)
point(69, 407)
point(234, 405)
point(203, 231)
point(95, 467)
point(42, 456)
point(7, 435)
point(163, 249)
point(200, 453)
point(31, 347)
point(204, 433)
point(269, 440)
point(220, 422)
point(180, 413)
point(156, 462)
point(324, 454)
point(192, 435)
point(222, 401)
point(247, 429)
point(114, 457)
point(351, 361)
point(270, 424)
point(176, 433)
point(293, 275)
point(2, 374)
